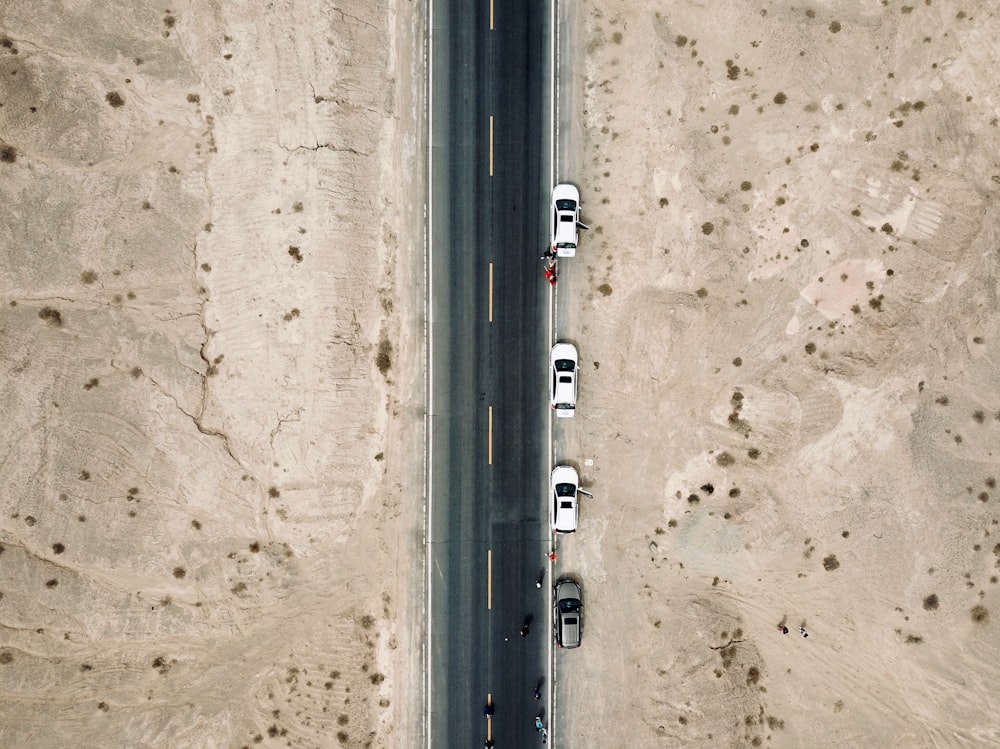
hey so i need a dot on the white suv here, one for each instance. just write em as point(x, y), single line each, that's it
point(564, 507)
point(565, 217)
point(564, 366)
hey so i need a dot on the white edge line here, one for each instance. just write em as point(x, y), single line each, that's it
point(429, 370)
point(553, 104)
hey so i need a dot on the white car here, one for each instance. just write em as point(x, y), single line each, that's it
point(564, 509)
point(565, 217)
point(564, 366)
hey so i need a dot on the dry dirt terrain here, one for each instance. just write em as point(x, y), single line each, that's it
point(787, 314)
point(211, 406)
point(205, 539)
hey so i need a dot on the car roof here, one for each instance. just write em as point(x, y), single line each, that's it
point(565, 392)
point(566, 514)
point(566, 232)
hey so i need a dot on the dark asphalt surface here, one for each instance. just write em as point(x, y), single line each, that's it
point(478, 508)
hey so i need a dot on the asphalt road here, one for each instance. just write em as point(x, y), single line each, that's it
point(488, 347)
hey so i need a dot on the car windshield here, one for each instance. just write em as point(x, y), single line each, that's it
point(565, 205)
point(564, 365)
point(566, 490)
point(569, 605)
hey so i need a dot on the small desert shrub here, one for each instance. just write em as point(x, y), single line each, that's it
point(383, 359)
point(51, 316)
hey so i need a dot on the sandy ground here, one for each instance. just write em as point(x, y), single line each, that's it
point(209, 273)
point(787, 314)
point(211, 397)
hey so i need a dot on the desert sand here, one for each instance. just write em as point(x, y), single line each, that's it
point(789, 409)
point(212, 397)
point(208, 258)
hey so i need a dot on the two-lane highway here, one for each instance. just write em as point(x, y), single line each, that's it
point(487, 354)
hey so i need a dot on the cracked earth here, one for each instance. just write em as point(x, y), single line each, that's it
point(200, 503)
